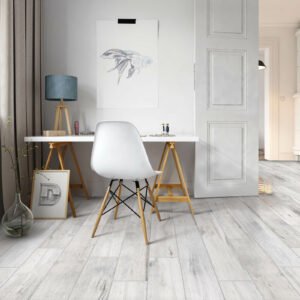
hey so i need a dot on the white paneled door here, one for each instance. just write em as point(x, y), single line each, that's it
point(226, 98)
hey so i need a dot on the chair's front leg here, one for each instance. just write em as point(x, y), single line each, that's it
point(141, 211)
point(103, 205)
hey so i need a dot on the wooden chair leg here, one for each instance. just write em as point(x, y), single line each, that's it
point(101, 210)
point(154, 203)
point(141, 212)
point(119, 196)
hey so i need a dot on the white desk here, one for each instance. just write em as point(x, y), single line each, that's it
point(90, 139)
point(62, 143)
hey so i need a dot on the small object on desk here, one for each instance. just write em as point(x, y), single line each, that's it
point(161, 135)
point(54, 133)
point(163, 128)
point(87, 133)
point(76, 127)
point(167, 129)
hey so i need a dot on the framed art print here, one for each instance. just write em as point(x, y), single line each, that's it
point(127, 63)
point(49, 199)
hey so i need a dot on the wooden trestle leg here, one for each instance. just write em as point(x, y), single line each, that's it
point(158, 185)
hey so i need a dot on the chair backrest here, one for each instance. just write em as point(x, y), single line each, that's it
point(119, 153)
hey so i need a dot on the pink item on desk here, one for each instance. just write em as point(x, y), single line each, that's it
point(76, 127)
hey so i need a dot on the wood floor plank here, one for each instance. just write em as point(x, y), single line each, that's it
point(289, 212)
point(109, 237)
point(262, 234)
point(200, 280)
point(81, 246)
point(128, 290)
point(60, 280)
point(66, 231)
point(293, 276)
point(132, 264)
point(240, 290)
point(62, 277)
point(22, 248)
point(226, 264)
point(163, 239)
point(5, 274)
point(230, 227)
point(63, 235)
point(297, 251)
point(165, 279)
point(95, 279)
point(23, 283)
point(287, 233)
point(134, 255)
point(264, 273)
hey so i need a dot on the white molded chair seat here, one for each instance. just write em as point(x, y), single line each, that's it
point(119, 153)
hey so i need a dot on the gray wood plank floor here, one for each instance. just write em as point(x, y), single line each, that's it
point(235, 248)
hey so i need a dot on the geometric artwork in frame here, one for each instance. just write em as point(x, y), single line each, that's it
point(127, 64)
point(49, 197)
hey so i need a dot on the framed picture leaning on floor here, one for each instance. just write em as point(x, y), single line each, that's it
point(49, 197)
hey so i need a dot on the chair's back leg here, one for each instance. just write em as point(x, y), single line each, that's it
point(141, 212)
point(117, 198)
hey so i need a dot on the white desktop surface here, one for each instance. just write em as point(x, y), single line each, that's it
point(90, 138)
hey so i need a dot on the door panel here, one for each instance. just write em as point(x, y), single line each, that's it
point(226, 75)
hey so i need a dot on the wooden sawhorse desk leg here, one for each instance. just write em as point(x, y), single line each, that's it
point(158, 185)
point(61, 148)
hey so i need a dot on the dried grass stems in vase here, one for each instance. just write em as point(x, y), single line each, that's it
point(18, 219)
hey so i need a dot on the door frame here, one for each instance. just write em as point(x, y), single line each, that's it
point(271, 48)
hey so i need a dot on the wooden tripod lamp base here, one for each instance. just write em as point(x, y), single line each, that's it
point(62, 109)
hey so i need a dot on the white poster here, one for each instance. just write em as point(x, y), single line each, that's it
point(127, 64)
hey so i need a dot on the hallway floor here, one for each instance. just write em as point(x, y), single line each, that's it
point(235, 248)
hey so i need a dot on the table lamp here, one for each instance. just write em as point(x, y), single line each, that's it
point(61, 88)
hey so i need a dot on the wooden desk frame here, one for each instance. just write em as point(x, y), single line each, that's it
point(61, 143)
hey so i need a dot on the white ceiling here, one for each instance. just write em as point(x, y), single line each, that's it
point(279, 12)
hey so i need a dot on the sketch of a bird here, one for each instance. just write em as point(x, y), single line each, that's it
point(128, 60)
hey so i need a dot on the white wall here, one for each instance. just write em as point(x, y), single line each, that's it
point(70, 48)
point(286, 87)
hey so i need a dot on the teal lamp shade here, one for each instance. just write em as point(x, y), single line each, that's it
point(60, 87)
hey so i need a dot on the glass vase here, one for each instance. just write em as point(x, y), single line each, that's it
point(18, 219)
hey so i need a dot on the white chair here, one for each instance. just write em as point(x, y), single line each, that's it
point(119, 154)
